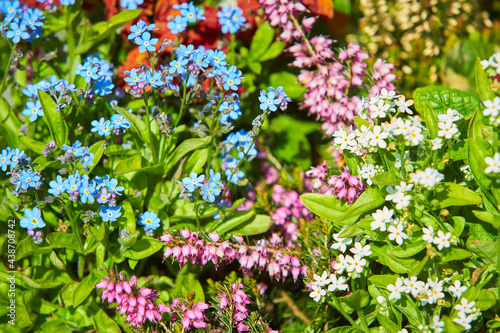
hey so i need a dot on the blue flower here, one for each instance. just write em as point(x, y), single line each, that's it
point(214, 178)
point(87, 192)
point(16, 155)
point(131, 4)
point(154, 79)
point(67, 2)
point(72, 184)
point(191, 14)
point(27, 179)
point(33, 110)
point(119, 122)
point(103, 87)
point(231, 81)
point(135, 78)
point(216, 58)
point(269, 101)
point(137, 29)
point(145, 42)
point(73, 150)
point(231, 19)
point(210, 191)
point(102, 127)
point(5, 159)
point(178, 25)
point(109, 214)
point(193, 181)
point(185, 51)
point(178, 66)
point(200, 60)
point(31, 18)
point(150, 220)
point(112, 185)
point(103, 195)
point(57, 186)
point(17, 32)
point(89, 73)
point(33, 219)
point(86, 159)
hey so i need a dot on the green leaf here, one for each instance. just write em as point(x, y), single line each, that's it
point(388, 324)
point(409, 249)
point(382, 281)
point(135, 163)
point(455, 195)
point(430, 119)
point(493, 219)
point(289, 82)
point(385, 178)
point(34, 145)
point(129, 240)
point(143, 249)
point(257, 225)
point(27, 247)
point(455, 254)
point(236, 219)
point(343, 6)
point(486, 249)
point(104, 324)
point(54, 118)
point(450, 326)
point(56, 261)
point(344, 329)
point(64, 240)
point(410, 309)
point(273, 51)
point(87, 285)
point(261, 40)
point(326, 206)
point(357, 300)
point(440, 99)
point(400, 266)
point(196, 162)
point(54, 326)
point(368, 200)
point(485, 300)
point(98, 232)
point(256, 67)
point(483, 82)
point(185, 148)
point(137, 124)
point(9, 123)
point(360, 122)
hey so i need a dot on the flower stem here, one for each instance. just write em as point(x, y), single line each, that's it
point(7, 68)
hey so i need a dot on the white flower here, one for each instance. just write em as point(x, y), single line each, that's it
point(451, 114)
point(355, 264)
point(396, 289)
point(402, 127)
point(415, 135)
point(396, 233)
point(414, 286)
point(321, 280)
point(493, 164)
point(434, 290)
point(427, 178)
point(437, 325)
point(442, 240)
point(340, 264)
point(457, 289)
point(492, 107)
point(381, 218)
point(448, 129)
point(403, 187)
point(463, 320)
point(485, 64)
point(437, 143)
point(465, 306)
point(367, 172)
point(341, 243)
point(344, 139)
point(377, 137)
point(387, 94)
point(428, 234)
point(362, 251)
point(403, 105)
point(317, 293)
point(379, 110)
point(361, 105)
point(401, 200)
point(337, 283)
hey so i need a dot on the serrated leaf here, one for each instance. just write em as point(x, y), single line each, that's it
point(440, 99)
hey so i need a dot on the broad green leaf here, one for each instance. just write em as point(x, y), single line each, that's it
point(137, 124)
point(33, 145)
point(360, 122)
point(430, 119)
point(159, 201)
point(64, 240)
point(410, 309)
point(87, 285)
point(441, 99)
point(257, 225)
point(368, 200)
point(455, 195)
point(187, 282)
point(9, 123)
point(458, 227)
point(418, 267)
point(98, 232)
point(409, 249)
point(400, 266)
point(455, 254)
point(357, 300)
point(143, 249)
point(52, 326)
point(344, 329)
point(486, 249)
point(104, 324)
point(483, 83)
point(27, 247)
point(235, 220)
point(493, 219)
point(450, 326)
point(485, 300)
point(54, 118)
point(273, 51)
point(196, 162)
point(382, 281)
point(288, 81)
point(256, 67)
point(326, 206)
point(385, 178)
point(388, 324)
point(56, 261)
point(135, 163)
point(129, 240)
point(185, 148)
point(261, 41)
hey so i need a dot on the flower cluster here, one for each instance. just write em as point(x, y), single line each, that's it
point(118, 124)
point(467, 313)
point(200, 248)
point(273, 98)
point(329, 281)
point(491, 110)
point(231, 19)
point(138, 304)
point(131, 4)
point(236, 148)
point(189, 14)
point(98, 74)
point(209, 189)
point(279, 12)
point(20, 22)
point(189, 314)
point(441, 239)
point(20, 170)
point(349, 263)
point(232, 301)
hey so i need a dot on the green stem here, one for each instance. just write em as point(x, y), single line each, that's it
point(150, 134)
point(183, 103)
point(361, 316)
point(342, 312)
point(71, 44)
point(217, 119)
point(7, 68)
